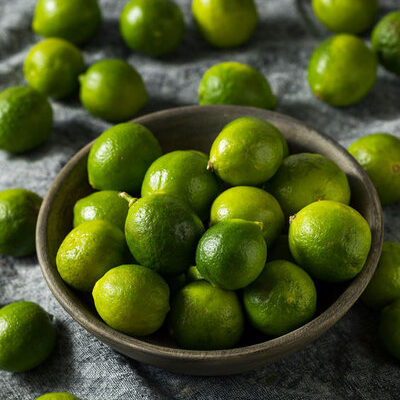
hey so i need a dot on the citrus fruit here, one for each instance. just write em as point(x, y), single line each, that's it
point(389, 328)
point(280, 249)
point(58, 396)
point(330, 240)
point(193, 275)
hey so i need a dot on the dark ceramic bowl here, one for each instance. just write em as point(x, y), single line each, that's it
point(195, 128)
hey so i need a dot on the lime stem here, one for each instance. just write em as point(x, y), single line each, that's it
point(131, 200)
point(210, 166)
point(260, 224)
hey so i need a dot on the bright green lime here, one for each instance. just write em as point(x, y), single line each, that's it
point(389, 328)
point(58, 396)
point(280, 249)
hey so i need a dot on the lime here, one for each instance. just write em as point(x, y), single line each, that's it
point(379, 155)
point(120, 157)
point(280, 249)
point(153, 27)
point(304, 178)
point(52, 67)
point(58, 396)
point(281, 299)
point(248, 151)
point(88, 252)
point(236, 83)
point(250, 204)
point(203, 317)
point(74, 20)
point(330, 240)
point(112, 90)
point(232, 254)
point(225, 23)
point(26, 119)
point(19, 209)
point(389, 328)
point(193, 275)
point(342, 70)
point(183, 174)
point(27, 336)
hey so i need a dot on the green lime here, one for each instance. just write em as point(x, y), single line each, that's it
point(389, 328)
point(204, 317)
point(19, 209)
point(27, 336)
point(58, 396)
point(225, 23)
point(74, 20)
point(304, 178)
point(112, 90)
point(106, 205)
point(280, 249)
point(386, 41)
point(251, 204)
point(52, 67)
point(153, 27)
point(193, 275)
point(89, 251)
point(342, 70)
point(379, 155)
point(132, 299)
point(232, 254)
point(346, 16)
point(162, 233)
point(281, 299)
point(330, 240)
point(120, 157)
point(183, 174)
point(26, 119)
point(237, 84)
point(384, 286)
point(248, 151)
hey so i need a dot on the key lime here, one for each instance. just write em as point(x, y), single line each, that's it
point(58, 396)
point(389, 328)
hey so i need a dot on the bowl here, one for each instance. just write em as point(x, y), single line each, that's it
point(196, 127)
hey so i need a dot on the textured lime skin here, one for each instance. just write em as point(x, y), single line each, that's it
point(26, 119)
point(384, 286)
point(89, 251)
point(153, 27)
point(19, 209)
point(379, 155)
point(280, 249)
point(304, 178)
point(231, 254)
point(58, 396)
point(389, 328)
point(120, 157)
point(346, 16)
point(237, 84)
point(330, 240)
point(52, 67)
point(27, 336)
point(132, 299)
point(225, 23)
point(162, 233)
point(74, 20)
point(113, 90)
point(204, 317)
point(251, 204)
point(248, 151)
point(183, 174)
point(282, 298)
point(342, 70)
point(386, 41)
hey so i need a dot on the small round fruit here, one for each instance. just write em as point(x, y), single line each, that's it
point(74, 20)
point(248, 151)
point(330, 240)
point(132, 299)
point(19, 209)
point(112, 90)
point(379, 155)
point(153, 27)
point(389, 328)
point(232, 254)
point(52, 67)
point(342, 70)
point(183, 174)
point(26, 119)
point(204, 317)
point(58, 396)
point(237, 84)
point(27, 336)
point(304, 178)
point(225, 23)
point(251, 204)
point(120, 157)
point(281, 299)
point(89, 251)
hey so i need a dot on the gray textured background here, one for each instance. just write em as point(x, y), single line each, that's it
point(346, 363)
